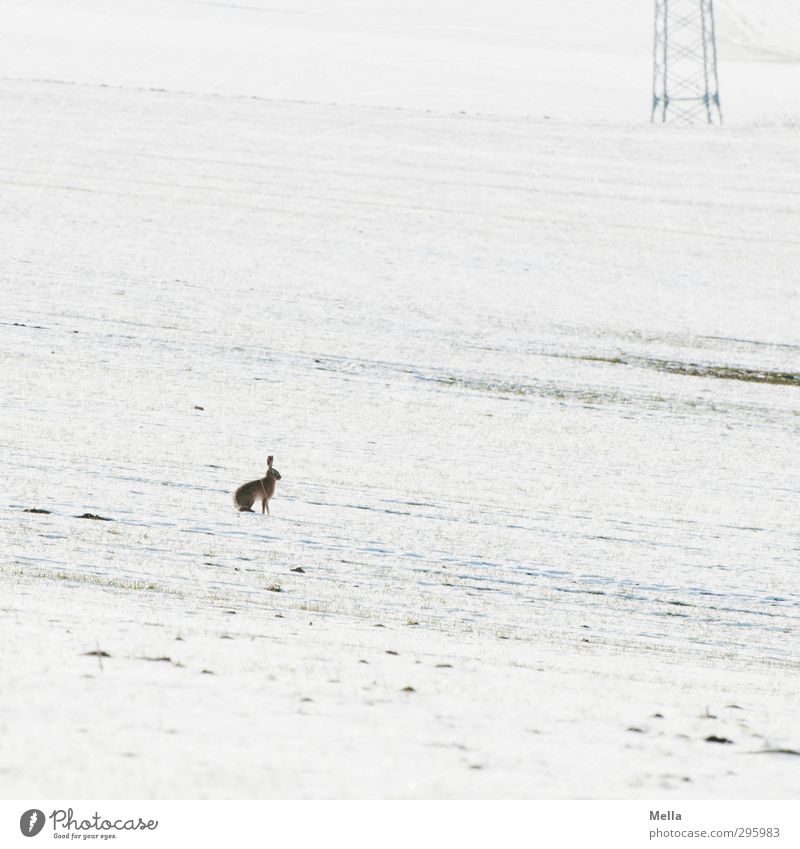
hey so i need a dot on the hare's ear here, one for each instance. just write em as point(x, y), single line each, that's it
point(269, 461)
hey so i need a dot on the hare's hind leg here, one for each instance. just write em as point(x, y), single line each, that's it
point(243, 506)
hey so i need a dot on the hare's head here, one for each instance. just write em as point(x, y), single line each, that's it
point(272, 473)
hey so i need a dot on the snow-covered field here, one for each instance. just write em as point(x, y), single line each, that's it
point(531, 382)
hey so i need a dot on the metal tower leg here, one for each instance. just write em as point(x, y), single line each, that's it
point(685, 79)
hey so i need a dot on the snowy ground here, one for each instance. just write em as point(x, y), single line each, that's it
point(532, 385)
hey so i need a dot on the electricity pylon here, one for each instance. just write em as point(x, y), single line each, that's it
point(685, 82)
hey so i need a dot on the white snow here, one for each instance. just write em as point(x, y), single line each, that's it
point(531, 383)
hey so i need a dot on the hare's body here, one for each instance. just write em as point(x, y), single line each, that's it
point(261, 490)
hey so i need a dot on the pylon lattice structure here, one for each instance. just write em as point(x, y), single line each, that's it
point(685, 81)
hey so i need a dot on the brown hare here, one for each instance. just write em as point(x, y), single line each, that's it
point(263, 488)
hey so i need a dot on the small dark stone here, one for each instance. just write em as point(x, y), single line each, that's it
point(299, 569)
point(94, 516)
point(712, 738)
point(390, 651)
point(96, 653)
point(408, 689)
point(36, 510)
